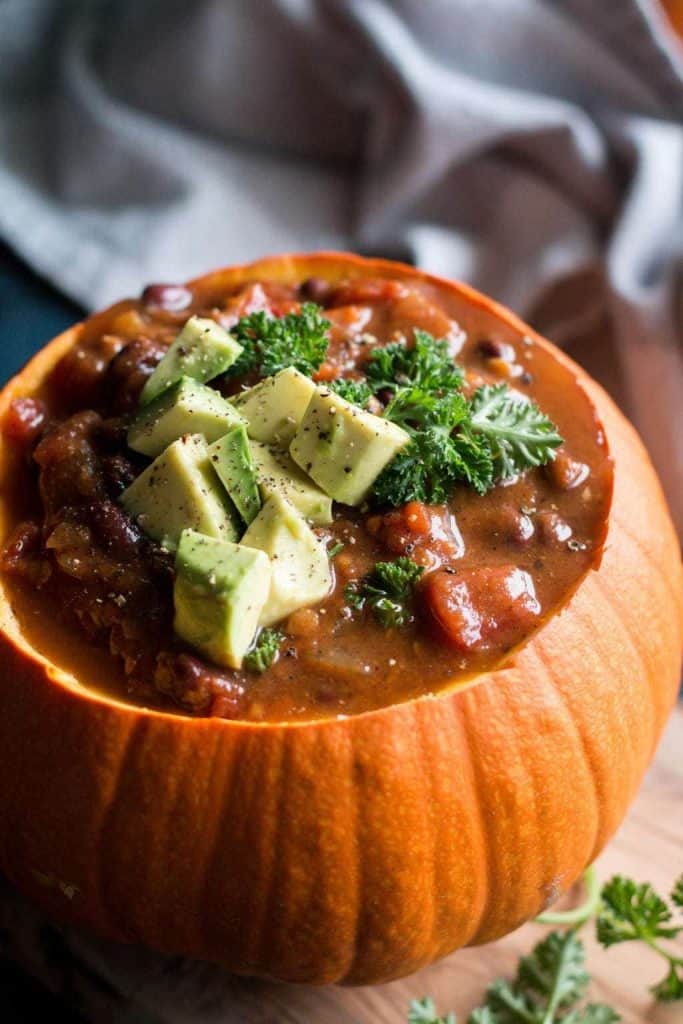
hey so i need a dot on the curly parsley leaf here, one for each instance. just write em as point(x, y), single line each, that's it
point(387, 590)
point(423, 1011)
point(519, 435)
point(264, 652)
point(271, 344)
point(442, 451)
point(355, 391)
point(550, 982)
point(427, 364)
point(633, 912)
point(677, 892)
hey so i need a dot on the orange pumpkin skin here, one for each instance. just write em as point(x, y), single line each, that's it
point(351, 850)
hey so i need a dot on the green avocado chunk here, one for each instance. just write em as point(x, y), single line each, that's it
point(202, 350)
point(342, 447)
point(187, 407)
point(273, 408)
point(231, 458)
point(179, 491)
point(301, 568)
point(278, 474)
point(219, 592)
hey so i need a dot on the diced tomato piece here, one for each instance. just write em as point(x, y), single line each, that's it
point(418, 527)
point(469, 608)
point(24, 421)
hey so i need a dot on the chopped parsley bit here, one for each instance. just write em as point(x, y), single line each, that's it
point(427, 365)
point(335, 549)
point(387, 590)
point(358, 392)
point(271, 344)
point(264, 652)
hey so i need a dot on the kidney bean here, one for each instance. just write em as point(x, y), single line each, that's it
point(491, 349)
point(315, 289)
point(115, 530)
point(566, 472)
point(130, 369)
point(78, 376)
point(24, 421)
point(552, 528)
point(171, 297)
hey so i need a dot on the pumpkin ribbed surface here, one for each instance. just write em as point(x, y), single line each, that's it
point(356, 849)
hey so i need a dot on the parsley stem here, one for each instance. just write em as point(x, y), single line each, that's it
point(577, 916)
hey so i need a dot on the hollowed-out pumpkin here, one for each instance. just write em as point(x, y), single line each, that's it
point(348, 850)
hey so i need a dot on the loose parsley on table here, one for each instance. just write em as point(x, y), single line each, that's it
point(549, 984)
point(633, 912)
point(387, 590)
point(271, 344)
point(264, 652)
point(552, 980)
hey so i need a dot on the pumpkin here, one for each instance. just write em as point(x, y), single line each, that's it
point(352, 850)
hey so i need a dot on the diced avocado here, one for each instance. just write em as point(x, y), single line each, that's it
point(344, 448)
point(187, 407)
point(220, 590)
point(278, 474)
point(301, 569)
point(273, 408)
point(179, 491)
point(231, 458)
point(202, 350)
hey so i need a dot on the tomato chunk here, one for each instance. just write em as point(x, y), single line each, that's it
point(470, 608)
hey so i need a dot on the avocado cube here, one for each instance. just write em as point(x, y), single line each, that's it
point(343, 448)
point(187, 407)
point(278, 474)
point(231, 459)
point(273, 408)
point(180, 491)
point(202, 351)
point(300, 567)
point(219, 592)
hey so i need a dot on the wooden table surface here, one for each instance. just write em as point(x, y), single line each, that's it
point(125, 985)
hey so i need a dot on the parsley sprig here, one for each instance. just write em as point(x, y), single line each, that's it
point(492, 436)
point(549, 984)
point(633, 912)
point(270, 343)
point(427, 365)
point(264, 652)
point(387, 590)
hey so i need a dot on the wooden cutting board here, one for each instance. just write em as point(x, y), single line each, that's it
point(132, 986)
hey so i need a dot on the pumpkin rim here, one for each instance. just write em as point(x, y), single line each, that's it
point(285, 267)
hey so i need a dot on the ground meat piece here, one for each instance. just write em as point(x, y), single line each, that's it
point(70, 470)
point(23, 554)
point(25, 421)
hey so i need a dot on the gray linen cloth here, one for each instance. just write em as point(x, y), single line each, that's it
point(510, 143)
point(518, 144)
